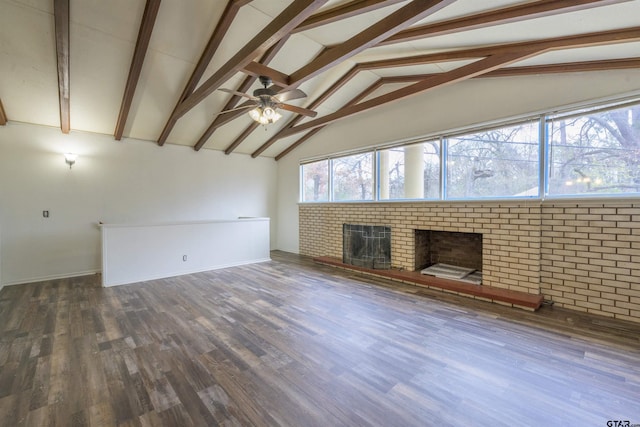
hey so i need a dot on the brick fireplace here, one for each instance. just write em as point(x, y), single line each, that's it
point(584, 256)
point(510, 234)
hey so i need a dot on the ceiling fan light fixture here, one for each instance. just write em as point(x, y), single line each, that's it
point(264, 102)
point(265, 115)
point(271, 114)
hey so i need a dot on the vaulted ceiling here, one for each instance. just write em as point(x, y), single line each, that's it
point(152, 70)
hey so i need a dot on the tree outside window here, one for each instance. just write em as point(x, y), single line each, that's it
point(595, 153)
point(353, 177)
point(501, 162)
point(315, 181)
point(592, 152)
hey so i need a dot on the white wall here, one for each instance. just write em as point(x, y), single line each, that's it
point(127, 181)
point(464, 104)
point(136, 253)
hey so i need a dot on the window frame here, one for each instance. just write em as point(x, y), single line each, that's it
point(544, 151)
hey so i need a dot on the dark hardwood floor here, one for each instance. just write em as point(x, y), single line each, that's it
point(289, 342)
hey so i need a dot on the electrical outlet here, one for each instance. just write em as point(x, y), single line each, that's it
point(184, 257)
point(45, 214)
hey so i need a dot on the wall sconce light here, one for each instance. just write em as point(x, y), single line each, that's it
point(70, 159)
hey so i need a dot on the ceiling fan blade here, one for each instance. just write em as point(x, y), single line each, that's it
point(235, 92)
point(299, 110)
point(242, 107)
point(289, 95)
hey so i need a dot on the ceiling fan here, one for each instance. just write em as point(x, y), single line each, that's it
point(266, 101)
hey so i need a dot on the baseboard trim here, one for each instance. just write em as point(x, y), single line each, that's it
point(51, 277)
point(185, 272)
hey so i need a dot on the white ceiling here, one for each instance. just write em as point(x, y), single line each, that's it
point(103, 36)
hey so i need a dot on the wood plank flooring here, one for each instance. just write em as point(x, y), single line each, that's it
point(293, 343)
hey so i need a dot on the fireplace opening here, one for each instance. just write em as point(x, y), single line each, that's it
point(366, 246)
point(449, 254)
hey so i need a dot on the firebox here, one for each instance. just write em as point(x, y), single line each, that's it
point(448, 247)
point(366, 246)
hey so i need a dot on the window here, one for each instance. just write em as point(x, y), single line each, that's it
point(595, 153)
point(410, 172)
point(315, 181)
point(587, 152)
point(353, 177)
point(501, 162)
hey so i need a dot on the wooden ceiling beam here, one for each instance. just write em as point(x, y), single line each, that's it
point(368, 91)
point(409, 78)
point(264, 60)
point(396, 21)
point(401, 18)
point(276, 137)
point(504, 51)
point(257, 69)
point(249, 129)
point(622, 35)
point(569, 67)
point(225, 116)
point(224, 23)
point(429, 58)
point(312, 132)
point(235, 114)
point(253, 126)
point(243, 87)
point(565, 67)
point(3, 115)
point(222, 119)
point(589, 39)
point(299, 142)
point(338, 13)
point(346, 78)
point(61, 18)
point(560, 42)
point(511, 14)
point(142, 44)
point(520, 12)
point(282, 25)
point(462, 73)
point(316, 103)
point(353, 71)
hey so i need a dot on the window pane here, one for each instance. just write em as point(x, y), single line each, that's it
point(315, 181)
point(500, 162)
point(595, 153)
point(410, 172)
point(353, 177)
